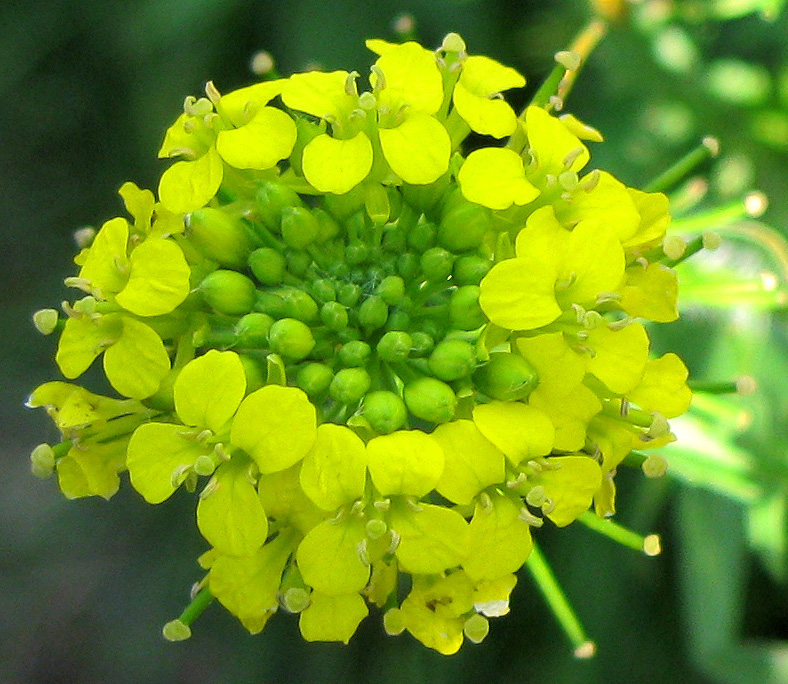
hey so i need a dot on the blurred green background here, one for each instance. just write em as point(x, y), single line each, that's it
point(87, 91)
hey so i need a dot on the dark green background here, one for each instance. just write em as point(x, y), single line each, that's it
point(86, 92)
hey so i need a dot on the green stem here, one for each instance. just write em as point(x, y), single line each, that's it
point(708, 148)
point(179, 629)
point(750, 206)
point(648, 545)
point(556, 599)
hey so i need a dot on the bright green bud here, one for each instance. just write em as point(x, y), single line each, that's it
point(354, 353)
point(430, 400)
point(372, 313)
point(463, 227)
point(42, 461)
point(327, 227)
point(271, 303)
point(219, 237)
point(314, 378)
point(453, 359)
point(323, 290)
point(394, 346)
point(384, 411)
point(349, 385)
point(46, 321)
point(345, 205)
point(464, 310)
point(376, 204)
point(506, 376)
point(348, 334)
point(408, 265)
point(253, 371)
point(298, 304)
point(436, 264)
point(469, 269)
point(394, 240)
point(357, 252)
point(252, 330)
point(422, 236)
point(291, 339)
point(398, 320)
point(421, 343)
point(391, 289)
point(476, 628)
point(424, 197)
point(228, 292)
point(272, 198)
point(299, 227)
point(297, 261)
point(267, 265)
point(349, 294)
point(334, 316)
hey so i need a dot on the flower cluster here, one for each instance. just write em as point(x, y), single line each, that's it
point(380, 356)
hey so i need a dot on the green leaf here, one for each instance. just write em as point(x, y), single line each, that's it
point(431, 538)
point(328, 557)
point(159, 457)
point(230, 515)
point(209, 389)
point(334, 472)
point(332, 618)
point(276, 426)
point(137, 363)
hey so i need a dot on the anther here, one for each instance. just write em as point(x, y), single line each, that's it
point(571, 158)
point(556, 102)
point(674, 247)
point(212, 486)
point(213, 94)
point(620, 325)
point(84, 236)
point(350, 84)
point(711, 240)
point(591, 180)
point(568, 59)
point(526, 516)
point(380, 79)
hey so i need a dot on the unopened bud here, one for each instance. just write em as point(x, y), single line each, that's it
point(384, 411)
point(267, 265)
point(372, 313)
point(45, 321)
point(299, 227)
point(251, 330)
point(470, 269)
point(464, 226)
point(506, 376)
point(437, 264)
point(349, 385)
point(430, 400)
point(452, 360)
point(272, 198)
point(354, 353)
point(291, 339)
point(334, 316)
point(219, 236)
point(464, 310)
point(228, 292)
point(42, 461)
point(314, 378)
point(391, 290)
point(394, 346)
point(422, 343)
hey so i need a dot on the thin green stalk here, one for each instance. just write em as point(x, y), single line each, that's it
point(649, 545)
point(708, 148)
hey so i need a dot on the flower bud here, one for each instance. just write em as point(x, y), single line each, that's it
point(291, 339)
point(408, 265)
point(463, 227)
point(469, 269)
point(422, 236)
point(421, 343)
point(357, 252)
point(391, 289)
point(42, 461)
point(384, 411)
point(314, 378)
point(267, 265)
point(327, 227)
point(228, 292)
point(394, 346)
point(297, 261)
point(349, 294)
point(345, 205)
point(271, 199)
point(349, 385)
point(354, 353)
point(372, 313)
point(394, 240)
point(219, 236)
point(430, 400)
point(299, 227)
point(253, 370)
point(453, 359)
point(398, 320)
point(298, 304)
point(334, 316)
point(436, 264)
point(464, 310)
point(323, 290)
point(252, 330)
point(424, 197)
point(506, 376)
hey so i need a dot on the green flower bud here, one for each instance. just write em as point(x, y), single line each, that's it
point(391, 289)
point(348, 334)
point(464, 310)
point(384, 411)
point(297, 262)
point(228, 292)
point(314, 378)
point(298, 304)
point(267, 265)
point(272, 304)
point(453, 359)
point(357, 252)
point(422, 236)
point(421, 343)
point(469, 269)
point(433, 328)
point(219, 236)
point(463, 227)
point(46, 320)
point(394, 240)
point(255, 377)
point(343, 206)
point(291, 339)
point(394, 346)
point(506, 376)
point(271, 199)
point(372, 313)
point(299, 227)
point(324, 349)
point(376, 204)
point(430, 400)
point(349, 294)
point(398, 320)
point(349, 385)
point(436, 264)
point(424, 197)
point(408, 265)
point(323, 290)
point(327, 227)
point(42, 461)
point(334, 316)
point(252, 330)
point(354, 353)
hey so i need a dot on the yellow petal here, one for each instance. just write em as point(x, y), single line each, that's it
point(411, 77)
point(619, 356)
point(242, 104)
point(268, 138)
point(488, 117)
point(337, 166)
point(405, 462)
point(663, 387)
point(417, 150)
point(320, 94)
point(189, 185)
point(494, 177)
point(594, 263)
point(521, 432)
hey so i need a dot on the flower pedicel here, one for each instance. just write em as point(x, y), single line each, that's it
point(378, 356)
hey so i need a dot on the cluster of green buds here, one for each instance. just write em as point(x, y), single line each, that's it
point(383, 359)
